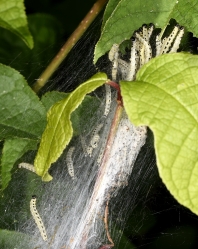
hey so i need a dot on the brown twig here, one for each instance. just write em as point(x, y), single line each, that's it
point(101, 175)
point(106, 224)
point(117, 87)
point(75, 36)
point(109, 246)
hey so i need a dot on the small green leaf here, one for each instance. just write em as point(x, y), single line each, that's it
point(21, 112)
point(165, 97)
point(59, 131)
point(13, 18)
point(14, 149)
point(127, 17)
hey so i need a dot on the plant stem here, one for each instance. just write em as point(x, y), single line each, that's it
point(75, 36)
point(94, 201)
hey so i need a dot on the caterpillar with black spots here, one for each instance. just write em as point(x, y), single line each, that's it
point(37, 218)
point(177, 41)
point(69, 162)
point(108, 100)
point(95, 138)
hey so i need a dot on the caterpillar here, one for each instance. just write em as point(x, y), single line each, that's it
point(27, 166)
point(167, 41)
point(37, 218)
point(113, 56)
point(99, 159)
point(89, 150)
point(108, 100)
point(83, 143)
point(133, 62)
point(150, 31)
point(123, 68)
point(69, 162)
point(164, 46)
point(177, 40)
point(86, 149)
point(146, 47)
point(94, 140)
point(158, 45)
point(145, 32)
point(95, 137)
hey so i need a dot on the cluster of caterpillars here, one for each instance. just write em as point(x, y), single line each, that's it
point(141, 51)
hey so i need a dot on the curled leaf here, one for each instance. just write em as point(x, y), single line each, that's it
point(59, 131)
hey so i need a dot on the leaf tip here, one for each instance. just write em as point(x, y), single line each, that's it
point(47, 177)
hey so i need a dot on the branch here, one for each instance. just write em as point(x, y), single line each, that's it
point(75, 36)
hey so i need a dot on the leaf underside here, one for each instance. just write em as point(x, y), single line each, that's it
point(165, 98)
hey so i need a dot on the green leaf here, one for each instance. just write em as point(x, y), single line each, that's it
point(13, 18)
point(127, 17)
point(165, 97)
point(185, 12)
point(50, 98)
point(59, 131)
point(14, 149)
point(21, 112)
point(10, 238)
point(46, 31)
point(111, 5)
point(79, 121)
